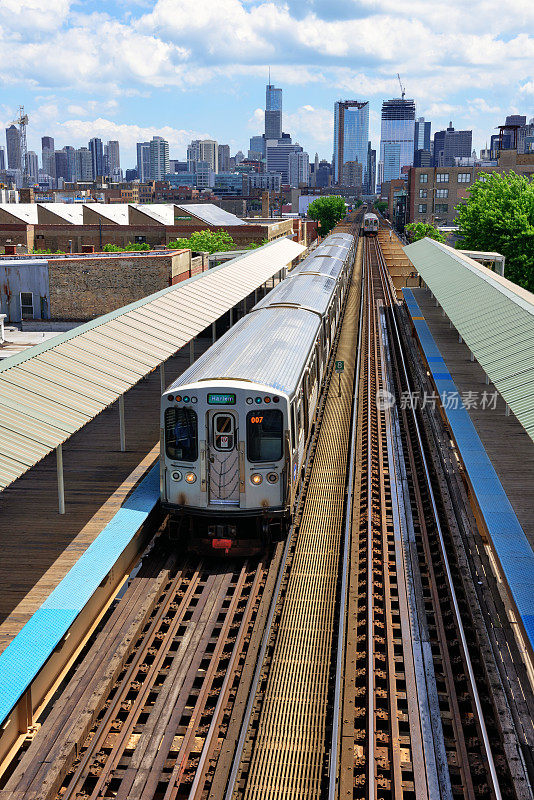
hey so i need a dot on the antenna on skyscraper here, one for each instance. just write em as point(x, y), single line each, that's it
point(22, 122)
point(403, 90)
point(269, 76)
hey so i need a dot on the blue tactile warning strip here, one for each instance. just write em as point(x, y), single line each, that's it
point(510, 543)
point(26, 654)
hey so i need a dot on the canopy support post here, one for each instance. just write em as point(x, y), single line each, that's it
point(122, 427)
point(60, 480)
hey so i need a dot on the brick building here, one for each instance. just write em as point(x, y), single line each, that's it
point(73, 227)
point(433, 192)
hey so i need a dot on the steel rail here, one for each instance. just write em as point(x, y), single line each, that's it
point(334, 753)
point(215, 721)
point(470, 671)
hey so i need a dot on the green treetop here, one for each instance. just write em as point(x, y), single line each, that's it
point(499, 216)
point(328, 211)
point(206, 241)
point(420, 230)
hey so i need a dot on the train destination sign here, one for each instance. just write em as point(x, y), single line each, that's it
point(221, 399)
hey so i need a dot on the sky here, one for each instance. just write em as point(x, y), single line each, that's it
point(184, 69)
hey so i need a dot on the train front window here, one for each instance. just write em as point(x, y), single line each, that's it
point(265, 435)
point(181, 434)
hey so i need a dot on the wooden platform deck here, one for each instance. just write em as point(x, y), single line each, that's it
point(507, 444)
point(37, 545)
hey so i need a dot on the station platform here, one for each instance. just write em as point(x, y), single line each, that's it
point(497, 452)
point(40, 546)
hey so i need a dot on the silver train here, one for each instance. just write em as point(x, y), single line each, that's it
point(235, 425)
point(370, 225)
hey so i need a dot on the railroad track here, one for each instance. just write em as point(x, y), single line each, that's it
point(147, 722)
point(417, 722)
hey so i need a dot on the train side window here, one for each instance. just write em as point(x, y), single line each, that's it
point(293, 427)
point(181, 434)
point(265, 435)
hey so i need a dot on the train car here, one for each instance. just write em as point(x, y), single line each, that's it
point(236, 424)
point(370, 225)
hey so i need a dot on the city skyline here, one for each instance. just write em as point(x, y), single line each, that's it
point(78, 85)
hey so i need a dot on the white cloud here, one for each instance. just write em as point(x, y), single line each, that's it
point(41, 17)
point(308, 122)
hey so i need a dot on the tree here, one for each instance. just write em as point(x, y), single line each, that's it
point(328, 211)
point(499, 216)
point(207, 241)
point(381, 206)
point(418, 230)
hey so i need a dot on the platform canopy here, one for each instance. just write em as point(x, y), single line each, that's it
point(494, 317)
point(50, 391)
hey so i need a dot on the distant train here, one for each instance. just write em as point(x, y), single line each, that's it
point(235, 425)
point(370, 225)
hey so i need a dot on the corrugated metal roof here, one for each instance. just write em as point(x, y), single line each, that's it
point(494, 316)
point(50, 391)
point(271, 353)
point(163, 213)
point(312, 292)
point(114, 212)
point(69, 212)
point(210, 213)
point(25, 212)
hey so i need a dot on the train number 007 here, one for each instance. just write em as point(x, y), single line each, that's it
point(256, 419)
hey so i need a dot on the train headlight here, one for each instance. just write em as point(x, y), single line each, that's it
point(256, 479)
point(176, 475)
point(190, 477)
point(272, 477)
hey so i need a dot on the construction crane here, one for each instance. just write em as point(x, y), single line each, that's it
point(22, 122)
point(403, 90)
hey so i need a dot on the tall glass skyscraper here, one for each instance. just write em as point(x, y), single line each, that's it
point(273, 112)
point(351, 136)
point(398, 127)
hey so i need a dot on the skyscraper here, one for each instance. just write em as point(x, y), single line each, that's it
point(48, 156)
point(371, 170)
point(273, 112)
point(159, 158)
point(71, 163)
point(143, 161)
point(84, 165)
point(204, 150)
point(224, 157)
point(422, 134)
point(451, 144)
point(299, 168)
point(2, 158)
point(13, 147)
point(278, 158)
point(62, 165)
point(112, 161)
point(257, 145)
point(351, 135)
point(398, 127)
point(32, 167)
point(97, 157)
